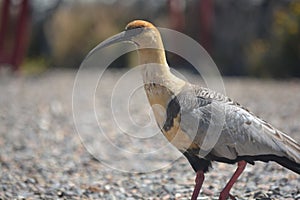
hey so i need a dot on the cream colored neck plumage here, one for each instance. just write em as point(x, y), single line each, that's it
point(156, 70)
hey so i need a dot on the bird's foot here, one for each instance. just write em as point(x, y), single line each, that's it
point(225, 195)
point(232, 197)
point(199, 181)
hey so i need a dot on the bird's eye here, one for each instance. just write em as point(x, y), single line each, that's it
point(134, 27)
point(131, 32)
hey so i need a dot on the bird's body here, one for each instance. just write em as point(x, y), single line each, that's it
point(188, 114)
point(243, 135)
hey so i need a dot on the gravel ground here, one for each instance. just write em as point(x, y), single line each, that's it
point(42, 156)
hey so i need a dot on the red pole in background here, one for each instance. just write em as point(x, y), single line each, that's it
point(19, 37)
point(206, 22)
point(206, 15)
point(177, 17)
point(3, 28)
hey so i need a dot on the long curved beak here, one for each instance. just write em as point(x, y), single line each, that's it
point(120, 37)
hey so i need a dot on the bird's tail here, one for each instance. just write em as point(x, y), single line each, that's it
point(289, 164)
point(291, 149)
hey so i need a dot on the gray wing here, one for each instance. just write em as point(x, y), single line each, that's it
point(224, 128)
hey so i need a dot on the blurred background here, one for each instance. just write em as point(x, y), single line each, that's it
point(258, 38)
point(42, 44)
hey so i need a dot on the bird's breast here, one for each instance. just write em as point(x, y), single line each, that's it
point(160, 99)
point(177, 137)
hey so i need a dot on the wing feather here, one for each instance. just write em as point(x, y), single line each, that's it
point(241, 133)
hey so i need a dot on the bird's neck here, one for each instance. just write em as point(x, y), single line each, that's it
point(148, 55)
point(157, 71)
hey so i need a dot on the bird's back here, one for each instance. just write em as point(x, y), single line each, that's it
point(242, 135)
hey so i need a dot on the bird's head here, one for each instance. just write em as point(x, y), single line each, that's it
point(139, 32)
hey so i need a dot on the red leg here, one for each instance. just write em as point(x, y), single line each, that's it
point(199, 181)
point(225, 192)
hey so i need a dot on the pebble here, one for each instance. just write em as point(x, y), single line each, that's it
point(169, 188)
point(42, 156)
point(8, 194)
point(177, 195)
point(107, 187)
point(203, 198)
point(122, 190)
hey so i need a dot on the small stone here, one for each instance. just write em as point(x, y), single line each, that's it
point(60, 193)
point(260, 195)
point(207, 192)
point(21, 197)
point(30, 180)
point(167, 196)
point(275, 190)
point(122, 190)
point(178, 195)
point(169, 188)
point(107, 187)
point(8, 194)
point(69, 193)
point(202, 198)
point(94, 188)
point(22, 185)
point(56, 107)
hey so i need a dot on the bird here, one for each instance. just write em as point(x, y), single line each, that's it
point(184, 113)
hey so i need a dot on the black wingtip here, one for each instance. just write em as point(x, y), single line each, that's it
point(289, 164)
point(283, 161)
